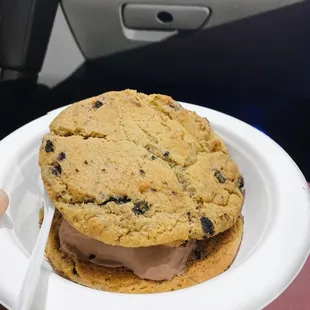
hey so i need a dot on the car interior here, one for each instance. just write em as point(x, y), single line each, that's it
point(247, 59)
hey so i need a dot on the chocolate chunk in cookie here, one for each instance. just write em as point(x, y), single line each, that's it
point(61, 156)
point(117, 200)
point(207, 226)
point(98, 104)
point(49, 146)
point(166, 154)
point(140, 207)
point(56, 169)
point(219, 176)
point(240, 182)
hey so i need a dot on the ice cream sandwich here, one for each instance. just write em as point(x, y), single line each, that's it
point(148, 198)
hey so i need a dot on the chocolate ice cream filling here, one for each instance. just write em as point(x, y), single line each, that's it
point(157, 263)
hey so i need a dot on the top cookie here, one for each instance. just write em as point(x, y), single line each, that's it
point(135, 170)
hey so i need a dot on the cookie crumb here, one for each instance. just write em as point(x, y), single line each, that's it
point(41, 216)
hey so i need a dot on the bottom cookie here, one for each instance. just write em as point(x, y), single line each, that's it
point(210, 258)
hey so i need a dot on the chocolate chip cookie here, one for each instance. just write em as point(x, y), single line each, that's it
point(138, 170)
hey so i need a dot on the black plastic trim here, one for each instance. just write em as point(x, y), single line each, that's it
point(25, 29)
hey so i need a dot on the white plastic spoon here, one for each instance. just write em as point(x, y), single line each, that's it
point(33, 272)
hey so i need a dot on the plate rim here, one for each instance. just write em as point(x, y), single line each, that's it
point(239, 127)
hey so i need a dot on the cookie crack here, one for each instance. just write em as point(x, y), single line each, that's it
point(152, 138)
point(140, 145)
point(166, 113)
point(78, 133)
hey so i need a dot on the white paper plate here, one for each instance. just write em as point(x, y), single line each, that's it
point(274, 248)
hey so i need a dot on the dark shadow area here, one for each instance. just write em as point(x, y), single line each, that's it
point(286, 120)
point(256, 69)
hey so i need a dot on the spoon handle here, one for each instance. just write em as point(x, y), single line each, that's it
point(33, 272)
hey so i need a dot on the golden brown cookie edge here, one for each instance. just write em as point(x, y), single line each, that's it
point(222, 250)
